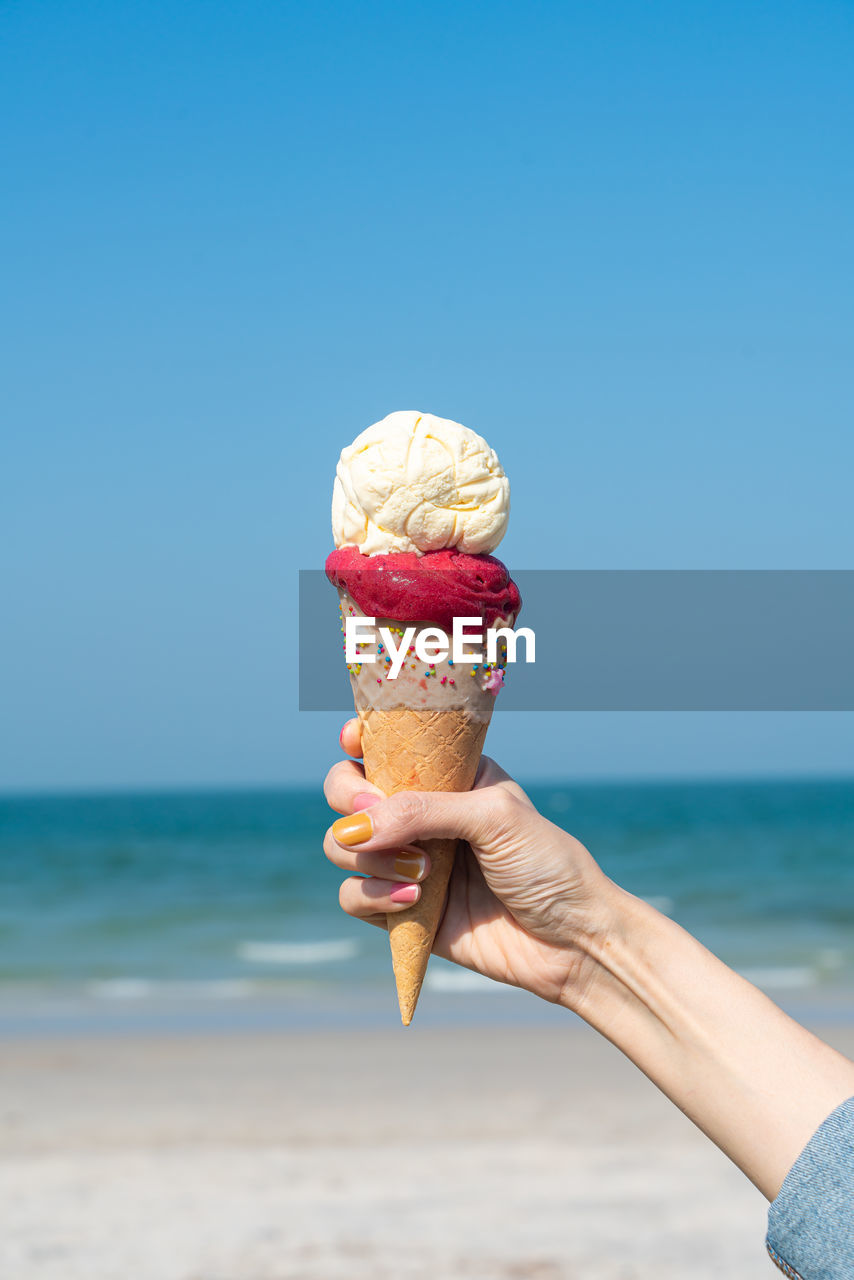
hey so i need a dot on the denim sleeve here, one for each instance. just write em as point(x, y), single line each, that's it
point(811, 1223)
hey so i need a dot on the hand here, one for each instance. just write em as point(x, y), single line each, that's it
point(522, 889)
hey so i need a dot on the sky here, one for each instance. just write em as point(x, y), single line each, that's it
point(614, 238)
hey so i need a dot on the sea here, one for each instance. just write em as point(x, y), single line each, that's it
point(181, 911)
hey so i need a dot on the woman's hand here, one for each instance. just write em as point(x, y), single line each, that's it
point(521, 891)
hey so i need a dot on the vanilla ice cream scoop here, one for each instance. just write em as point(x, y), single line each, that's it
point(414, 482)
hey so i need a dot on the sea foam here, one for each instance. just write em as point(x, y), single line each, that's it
point(793, 978)
point(298, 953)
point(169, 989)
point(459, 980)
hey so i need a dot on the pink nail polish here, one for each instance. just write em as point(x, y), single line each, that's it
point(364, 800)
point(405, 893)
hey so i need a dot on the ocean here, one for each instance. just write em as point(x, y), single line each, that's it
point(209, 909)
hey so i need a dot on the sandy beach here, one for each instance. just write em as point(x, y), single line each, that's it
point(484, 1154)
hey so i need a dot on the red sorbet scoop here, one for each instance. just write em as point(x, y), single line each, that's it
point(436, 587)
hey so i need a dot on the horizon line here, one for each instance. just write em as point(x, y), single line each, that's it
point(110, 790)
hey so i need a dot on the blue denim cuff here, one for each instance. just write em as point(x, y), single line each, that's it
point(811, 1223)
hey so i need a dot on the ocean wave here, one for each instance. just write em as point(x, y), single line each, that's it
point(298, 953)
point(459, 980)
point(782, 978)
point(831, 958)
point(121, 989)
point(150, 989)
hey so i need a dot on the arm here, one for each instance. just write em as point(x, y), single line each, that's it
point(529, 906)
point(757, 1083)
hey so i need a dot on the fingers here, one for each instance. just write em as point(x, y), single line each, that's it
point(366, 899)
point(374, 839)
point(351, 737)
point(404, 864)
point(346, 790)
point(391, 876)
point(409, 816)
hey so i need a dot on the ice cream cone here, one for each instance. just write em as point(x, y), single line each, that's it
point(408, 749)
point(418, 506)
point(421, 731)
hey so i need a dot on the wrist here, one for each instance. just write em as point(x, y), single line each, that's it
point(597, 937)
point(631, 967)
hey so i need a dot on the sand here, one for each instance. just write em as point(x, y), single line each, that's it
point(488, 1154)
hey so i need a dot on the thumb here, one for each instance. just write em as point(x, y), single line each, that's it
point(410, 816)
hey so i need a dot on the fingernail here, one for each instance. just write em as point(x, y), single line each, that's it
point(405, 893)
point(365, 799)
point(410, 865)
point(353, 830)
point(341, 736)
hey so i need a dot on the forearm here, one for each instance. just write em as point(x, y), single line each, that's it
point(748, 1075)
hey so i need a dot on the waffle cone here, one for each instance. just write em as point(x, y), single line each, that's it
point(420, 750)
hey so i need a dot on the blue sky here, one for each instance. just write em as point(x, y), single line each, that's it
point(615, 238)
